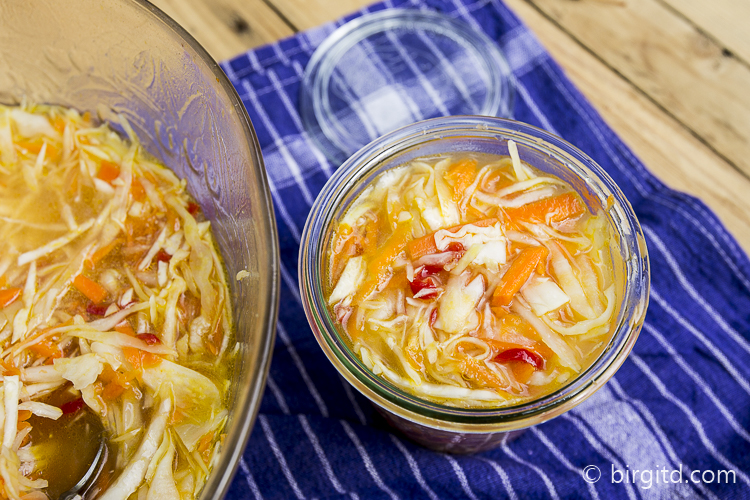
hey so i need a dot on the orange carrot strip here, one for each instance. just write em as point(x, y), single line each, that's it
point(9, 368)
point(462, 174)
point(177, 416)
point(426, 244)
point(378, 267)
point(474, 370)
point(124, 327)
point(204, 446)
point(91, 289)
point(149, 359)
point(522, 371)
point(137, 189)
point(112, 391)
point(8, 296)
point(519, 271)
point(31, 147)
point(108, 171)
point(47, 349)
point(133, 356)
point(100, 253)
point(414, 354)
point(58, 124)
point(555, 209)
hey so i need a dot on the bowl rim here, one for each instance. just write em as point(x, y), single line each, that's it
point(246, 399)
point(362, 167)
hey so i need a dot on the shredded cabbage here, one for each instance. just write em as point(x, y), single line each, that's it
point(110, 280)
point(478, 305)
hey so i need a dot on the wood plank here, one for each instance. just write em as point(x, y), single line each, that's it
point(724, 20)
point(671, 152)
point(306, 14)
point(676, 156)
point(226, 28)
point(676, 65)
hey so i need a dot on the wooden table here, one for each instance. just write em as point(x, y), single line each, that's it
point(671, 77)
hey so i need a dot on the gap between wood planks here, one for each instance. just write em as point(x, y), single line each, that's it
point(745, 172)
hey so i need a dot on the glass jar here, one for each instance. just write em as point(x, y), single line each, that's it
point(434, 425)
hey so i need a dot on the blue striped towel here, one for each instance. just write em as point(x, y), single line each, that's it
point(677, 410)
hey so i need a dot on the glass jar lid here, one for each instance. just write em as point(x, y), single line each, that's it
point(395, 67)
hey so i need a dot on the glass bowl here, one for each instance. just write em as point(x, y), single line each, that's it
point(127, 57)
point(447, 428)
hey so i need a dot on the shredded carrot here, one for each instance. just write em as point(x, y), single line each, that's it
point(522, 371)
point(378, 268)
point(554, 209)
point(58, 124)
point(518, 273)
point(9, 368)
point(35, 147)
point(137, 189)
point(8, 296)
point(124, 327)
point(140, 359)
point(112, 391)
point(177, 416)
point(149, 360)
point(91, 289)
point(414, 353)
point(133, 356)
point(100, 253)
point(497, 180)
point(204, 446)
point(476, 371)
point(426, 244)
point(462, 175)
point(24, 415)
point(108, 171)
point(47, 349)
point(31, 147)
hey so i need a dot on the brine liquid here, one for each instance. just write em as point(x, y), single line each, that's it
point(473, 280)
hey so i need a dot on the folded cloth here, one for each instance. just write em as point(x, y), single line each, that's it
point(674, 422)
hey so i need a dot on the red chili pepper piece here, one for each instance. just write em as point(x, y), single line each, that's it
point(425, 277)
point(455, 247)
point(433, 317)
point(149, 338)
point(193, 208)
point(524, 355)
point(97, 309)
point(163, 256)
point(72, 406)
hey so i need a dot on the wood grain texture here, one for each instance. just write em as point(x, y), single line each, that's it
point(306, 14)
point(226, 28)
point(665, 146)
point(646, 65)
point(727, 21)
point(673, 63)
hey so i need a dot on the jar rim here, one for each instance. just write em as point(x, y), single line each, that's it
point(364, 164)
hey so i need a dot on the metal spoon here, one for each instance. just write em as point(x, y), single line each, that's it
point(91, 475)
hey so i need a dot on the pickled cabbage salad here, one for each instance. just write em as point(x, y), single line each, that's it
point(114, 315)
point(473, 280)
